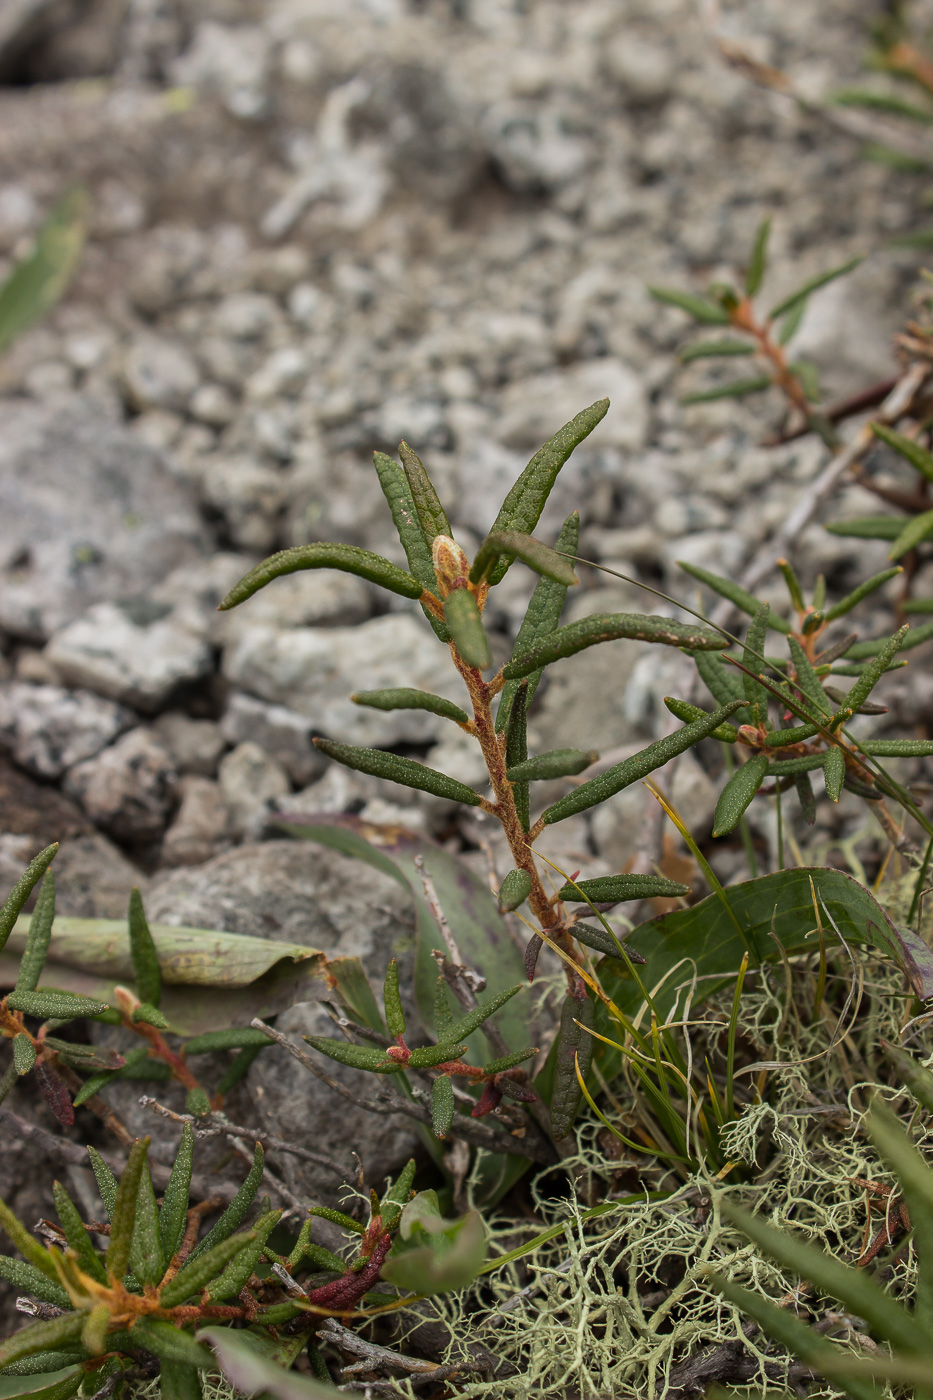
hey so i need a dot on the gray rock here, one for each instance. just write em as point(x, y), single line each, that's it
point(213, 405)
point(139, 653)
point(129, 789)
point(250, 782)
point(618, 824)
point(280, 732)
point(200, 828)
point(248, 496)
point(194, 744)
point(315, 598)
point(313, 670)
point(87, 513)
point(245, 316)
point(93, 879)
point(230, 61)
point(159, 374)
point(48, 729)
point(534, 409)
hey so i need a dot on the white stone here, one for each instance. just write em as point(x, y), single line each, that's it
point(200, 829)
point(534, 409)
point(250, 781)
point(280, 732)
point(194, 744)
point(284, 373)
point(159, 374)
point(127, 789)
point(48, 729)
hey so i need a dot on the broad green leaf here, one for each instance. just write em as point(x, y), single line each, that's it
point(61, 1388)
point(906, 447)
point(144, 955)
point(174, 1209)
point(847, 603)
point(348, 557)
point(706, 312)
point(727, 589)
point(557, 763)
point(711, 349)
point(514, 890)
point(853, 1287)
point(917, 530)
point(177, 1381)
point(800, 1340)
point(774, 911)
point(738, 793)
point(433, 1255)
point(516, 752)
point(404, 698)
point(541, 618)
point(758, 261)
point(442, 1106)
point(812, 285)
point(397, 492)
point(633, 769)
point(868, 527)
point(609, 627)
point(22, 890)
point(397, 769)
point(510, 544)
point(738, 389)
point(432, 517)
point(40, 932)
point(618, 887)
point(123, 1215)
point(465, 625)
point(41, 1336)
point(249, 1370)
point(522, 507)
point(38, 281)
point(236, 1210)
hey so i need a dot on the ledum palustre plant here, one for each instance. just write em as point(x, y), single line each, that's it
point(453, 592)
point(69, 1073)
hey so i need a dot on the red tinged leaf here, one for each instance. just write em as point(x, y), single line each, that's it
point(55, 1094)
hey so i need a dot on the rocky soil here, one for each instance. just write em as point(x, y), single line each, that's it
point(318, 226)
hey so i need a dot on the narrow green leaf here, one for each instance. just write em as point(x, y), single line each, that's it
point(710, 349)
point(197, 1102)
point(758, 261)
point(812, 285)
point(443, 1016)
point(392, 1001)
point(574, 1045)
point(595, 937)
point(782, 738)
point(54, 1006)
point(875, 669)
point(738, 793)
point(915, 1181)
point(404, 698)
point(755, 693)
point(805, 797)
point(507, 1062)
point(322, 1258)
point(427, 1056)
point(146, 1251)
point(917, 605)
point(40, 933)
point(348, 557)
point(557, 763)
point(173, 1214)
point(864, 589)
point(24, 1053)
point(799, 1339)
point(123, 1215)
point(239, 1068)
point(897, 748)
point(464, 1028)
point(706, 312)
point(106, 1181)
point(337, 1217)
point(41, 1336)
point(432, 517)
point(618, 887)
point(514, 890)
point(917, 530)
point(442, 1106)
point(177, 1381)
point(806, 678)
point(400, 1190)
point(793, 767)
point(516, 751)
point(465, 624)
point(85, 1056)
point(889, 103)
point(143, 952)
point(397, 492)
point(738, 389)
point(356, 1056)
point(236, 1038)
point(541, 618)
point(146, 1014)
point(237, 1273)
point(609, 627)
point(688, 713)
point(722, 681)
point(38, 280)
point(867, 527)
point(21, 891)
point(791, 323)
point(198, 1272)
point(834, 767)
point(853, 1287)
point(906, 447)
point(29, 1279)
point(633, 769)
point(727, 589)
point(170, 1343)
point(236, 1210)
point(30, 1248)
point(511, 544)
point(522, 507)
point(397, 769)
point(89, 1261)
